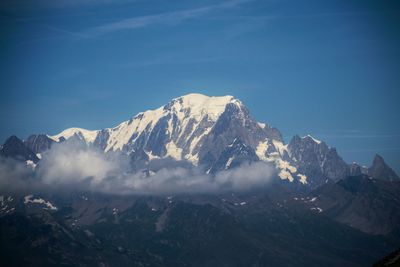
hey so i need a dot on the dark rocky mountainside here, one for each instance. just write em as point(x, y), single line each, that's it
point(391, 260)
point(16, 149)
point(380, 170)
point(39, 143)
point(228, 230)
point(368, 204)
point(317, 160)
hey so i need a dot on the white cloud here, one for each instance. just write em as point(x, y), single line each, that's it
point(14, 175)
point(77, 166)
point(174, 17)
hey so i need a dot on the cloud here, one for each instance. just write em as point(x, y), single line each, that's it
point(52, 4)
point(73, 165)
point(72, 162)
point(14, 176)
point(172, 60)
point(174, 17)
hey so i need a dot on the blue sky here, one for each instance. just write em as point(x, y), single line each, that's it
point(329, 68)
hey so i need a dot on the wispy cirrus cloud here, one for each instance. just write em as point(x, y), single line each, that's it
point(358, 136)
point(174, 17)
point(51, 4)
point(171, 59)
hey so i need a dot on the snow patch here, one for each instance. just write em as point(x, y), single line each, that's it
point(285, 175)
point(151, 156)
point(284, 165)
point(173, 151)
point(302, 178)
point(29, 199)
point(280, 147)
point(311, 200)
point(31, 164)
point(261, 150)
point(115, 211)
point(317, 209)
point(312, 138)
point(229, 162)
point(262, 125)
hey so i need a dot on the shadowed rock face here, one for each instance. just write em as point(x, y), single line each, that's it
point(233, 156)
point(368, 204)
point(380, 170)
point(391, 260)
point(39, 143)
point(356, 169)
point(101, 139)
point(15, 148)
point(234, 126)
point(316, 160)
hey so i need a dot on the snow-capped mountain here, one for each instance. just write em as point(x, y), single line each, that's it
point(216, 133)
point(178, 129)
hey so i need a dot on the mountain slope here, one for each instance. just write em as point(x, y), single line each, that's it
point(39, 143)
point(246, 230)
point(16, 149)
point(370, 205)
point(391, 260)
point(316, 160)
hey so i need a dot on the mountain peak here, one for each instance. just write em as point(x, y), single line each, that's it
point(87, 135)
point(378, 160)
point(12, 139)
point(15, 148)
point(380, 170)
point(197, 97)
point(202, 97)
point(309, 137)
point(199, 105)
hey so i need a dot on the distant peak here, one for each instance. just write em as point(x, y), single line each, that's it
point(89, 135)
point(311, 138)
point(378, 158)
point(378, 161)
point(381, 170)
point(13, 139)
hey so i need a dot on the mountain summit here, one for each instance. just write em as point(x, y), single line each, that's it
point(380, 170)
